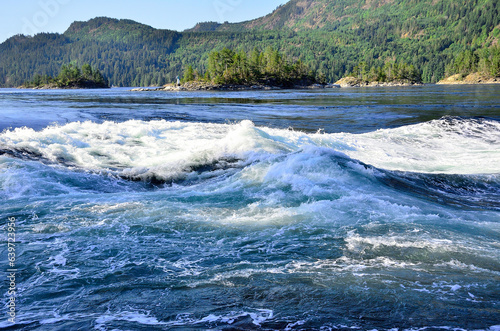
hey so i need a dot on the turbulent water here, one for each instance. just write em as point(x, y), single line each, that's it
point(290, 210)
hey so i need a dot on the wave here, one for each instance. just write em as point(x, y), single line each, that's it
point(472, 191)
point(450, 145)
point(140, 151)
point(451, 160)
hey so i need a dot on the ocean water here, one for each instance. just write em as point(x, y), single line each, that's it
point(344, 209)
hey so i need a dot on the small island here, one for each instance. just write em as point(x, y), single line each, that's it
point(70, 77)
point(238, 70)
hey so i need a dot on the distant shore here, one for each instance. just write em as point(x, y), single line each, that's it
point(342, 83)
point(55, 87)
point(458, 79)
point(201, 86)
point(356, 82)
point(474, 78)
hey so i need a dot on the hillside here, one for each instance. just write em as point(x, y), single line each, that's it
point(127, 52)
point(329, 36)
point(468, 21)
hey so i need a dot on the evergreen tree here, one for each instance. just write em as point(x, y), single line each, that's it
point(71, 76)
point(430, 35)
point(189, 74)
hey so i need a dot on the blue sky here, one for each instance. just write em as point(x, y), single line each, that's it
point(35, 16)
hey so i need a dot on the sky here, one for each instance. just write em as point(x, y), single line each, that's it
point(34, 16)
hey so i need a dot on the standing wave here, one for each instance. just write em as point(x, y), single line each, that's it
point(214, 226)
point(455, 160)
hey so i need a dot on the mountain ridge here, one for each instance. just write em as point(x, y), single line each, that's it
point(328, 14)
point(330, 36)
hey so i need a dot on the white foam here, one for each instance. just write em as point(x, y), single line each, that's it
point(462, 147)
point(58, 259)
point(468, 267)
point(142, 149)
point(136, 317)
point(356, 243)
point(224, 278)
point(262, 316)
point(102, 208)
point(290, 326)
point(258, 317)
point(348, 266)
point(170, 150)
point(49, 228)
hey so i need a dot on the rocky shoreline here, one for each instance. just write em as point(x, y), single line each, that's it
point(356, 82)
point(68, 87)
point(201, 86)
point(474, 78)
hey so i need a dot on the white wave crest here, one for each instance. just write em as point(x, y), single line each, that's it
point(169, 150)
point(448, 146)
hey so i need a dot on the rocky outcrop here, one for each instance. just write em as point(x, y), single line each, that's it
point(199, 86)
point(202, 86)
point(474, 78)
point(356, 82)
point(66, 87)
point(350, 82)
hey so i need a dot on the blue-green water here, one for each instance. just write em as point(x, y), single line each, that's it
point(278, 210)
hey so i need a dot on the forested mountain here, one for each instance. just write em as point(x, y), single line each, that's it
point(461, 19)
point(126, 52)
point(329, 36)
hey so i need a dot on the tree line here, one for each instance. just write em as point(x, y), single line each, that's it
point(429, 35)
point(485, 61)
point(256, 67)
point(69, 76)
point(391, 72)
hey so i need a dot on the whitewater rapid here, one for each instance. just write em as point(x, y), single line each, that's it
point(166, 150)
point(163, 224)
